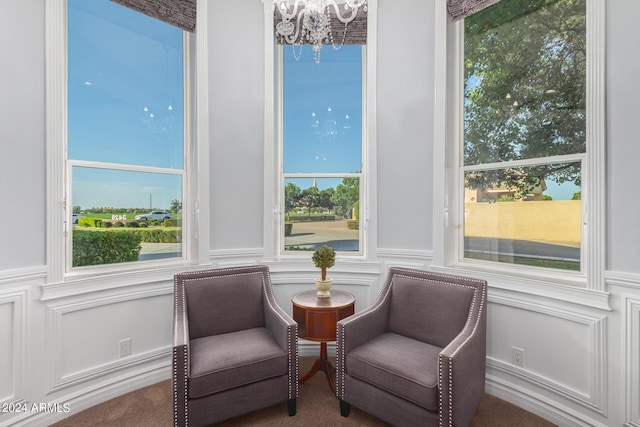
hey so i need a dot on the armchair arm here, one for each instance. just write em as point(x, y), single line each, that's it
point(356, 330)
point(362, 327)
point(284, 330)
point(462, 366)
point(180, 359)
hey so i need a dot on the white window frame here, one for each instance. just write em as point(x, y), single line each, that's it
point(280, 157)
point(274, 177)
point(586, 287)
point(63, 280)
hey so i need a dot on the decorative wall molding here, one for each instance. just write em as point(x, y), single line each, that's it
point(119, 282)
point(54, 314)
point(548, 408)
point(624, 280)
point(529, 287)
point(18, 299)
point(596, 399)
point(89, 395)
point(235, 257)
point(631, 353)
point(23, 276)
point(405, 258)
point(160, 355)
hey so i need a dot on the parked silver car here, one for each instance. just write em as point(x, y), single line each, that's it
point(158, 215)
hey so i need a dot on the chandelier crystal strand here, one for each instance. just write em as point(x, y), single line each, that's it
point(309, 22)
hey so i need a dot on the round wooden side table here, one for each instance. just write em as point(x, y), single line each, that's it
point(317, 319)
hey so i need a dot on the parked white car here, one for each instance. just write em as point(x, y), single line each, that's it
point(76, 217)
point(157, 215)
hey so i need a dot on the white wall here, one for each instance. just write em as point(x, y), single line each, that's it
point(623, 149)
point(582, 362)
point(22, 135)
point(405, 126)
point(236, 58)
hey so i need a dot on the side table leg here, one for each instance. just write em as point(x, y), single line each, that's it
point(322, 364)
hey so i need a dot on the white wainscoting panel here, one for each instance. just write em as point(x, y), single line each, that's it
point(632, 359)
point(565, 351)
point(13, 342)
point(85, 334)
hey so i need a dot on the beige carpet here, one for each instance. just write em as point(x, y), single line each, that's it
point(317, 406)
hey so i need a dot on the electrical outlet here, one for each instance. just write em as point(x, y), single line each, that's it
point(125, 347)
point(517, 356)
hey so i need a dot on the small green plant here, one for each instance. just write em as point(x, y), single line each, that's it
point(324, 257)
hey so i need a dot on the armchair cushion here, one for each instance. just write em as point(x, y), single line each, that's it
point(402, 366)
point(427, 310)
point(417, 356)
point(221, 362)
point(237, 298)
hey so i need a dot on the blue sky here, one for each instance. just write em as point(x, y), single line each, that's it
point(323, 110)
point(126, 107)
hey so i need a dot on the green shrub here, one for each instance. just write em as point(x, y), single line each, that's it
point(288, 228)
point(131, 224)
point(171, 223)
point(89, 222)
point(158, 235)
point(107, 224)
point(143, 224)
point(102, 247)
point(118, 224)
point(352, 224)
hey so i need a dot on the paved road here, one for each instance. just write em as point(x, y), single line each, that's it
point(151, 251)
point(312, 235)
point(336, 234)
point(522, 248)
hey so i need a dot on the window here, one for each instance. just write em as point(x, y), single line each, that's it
point(126, 167)
point(525, 148)
point(322, 149)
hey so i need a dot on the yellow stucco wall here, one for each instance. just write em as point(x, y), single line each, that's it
point(545, 221)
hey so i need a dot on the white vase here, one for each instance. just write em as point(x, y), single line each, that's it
point(323, 287)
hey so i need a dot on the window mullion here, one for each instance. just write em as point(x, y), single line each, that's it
point(526, 162)
point(125, 167)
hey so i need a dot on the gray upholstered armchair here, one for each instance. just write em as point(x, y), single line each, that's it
point(417, 356)
point(234, 349)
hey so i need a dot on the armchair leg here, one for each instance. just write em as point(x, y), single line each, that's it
point(344, 408)
point(291, 406)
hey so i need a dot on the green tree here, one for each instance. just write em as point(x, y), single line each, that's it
point(326, 196)
point(310, 198)
point(525, 90)
point(346, 194)
point(76, 209)
point(292, 195)
point(176, 206)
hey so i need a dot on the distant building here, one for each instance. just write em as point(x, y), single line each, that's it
point(492, 195)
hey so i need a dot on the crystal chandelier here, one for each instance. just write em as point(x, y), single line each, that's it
point(309, 22)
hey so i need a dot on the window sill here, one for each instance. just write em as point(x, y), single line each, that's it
point(90, 282)
point(565, 288)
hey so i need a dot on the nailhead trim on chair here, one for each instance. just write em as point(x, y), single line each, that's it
point(266, 286)
point(440, 358)
point(179, 290)
point(340, 365)
point(411, 274)
point(292, 330)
